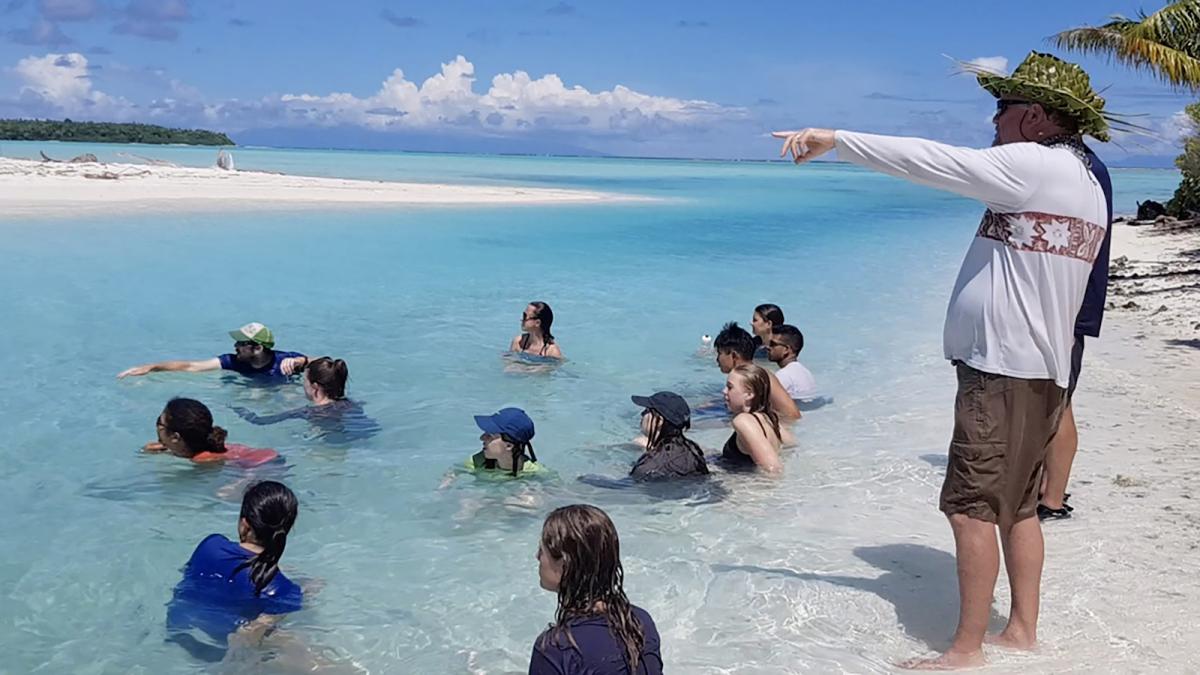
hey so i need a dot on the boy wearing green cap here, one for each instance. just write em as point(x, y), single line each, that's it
point(1009, 328)
point(254, 354)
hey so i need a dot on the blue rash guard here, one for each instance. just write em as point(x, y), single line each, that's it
point(230, 362)
point(215, 600)
point(596, 651)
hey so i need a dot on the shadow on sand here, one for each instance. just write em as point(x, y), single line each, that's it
point(921, 582)
point(937, 460)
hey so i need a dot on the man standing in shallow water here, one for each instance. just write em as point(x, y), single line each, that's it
point(254, 354)
point(1009, 325)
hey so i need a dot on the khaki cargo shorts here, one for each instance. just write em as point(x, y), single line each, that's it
point(1002, 429)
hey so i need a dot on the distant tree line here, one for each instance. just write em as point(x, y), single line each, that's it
point(105, 132)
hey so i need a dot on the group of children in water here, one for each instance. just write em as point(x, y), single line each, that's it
point(230, 587)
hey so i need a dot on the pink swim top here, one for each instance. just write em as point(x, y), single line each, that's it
point(239, 454)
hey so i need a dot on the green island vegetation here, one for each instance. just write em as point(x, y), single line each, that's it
point(1167, 45)
point(1187, 196)
point(106, 132)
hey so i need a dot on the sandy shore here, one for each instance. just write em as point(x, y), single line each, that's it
point(1121, 589)
point(31, 188)
point(1155, 276)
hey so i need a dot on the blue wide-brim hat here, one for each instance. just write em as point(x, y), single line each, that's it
point(511, 422)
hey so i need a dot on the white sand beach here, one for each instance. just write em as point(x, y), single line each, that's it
point(32, 188)
point(1155, 276)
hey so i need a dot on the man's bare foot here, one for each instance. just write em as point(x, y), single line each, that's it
point(1012, 638)
point(951, 660)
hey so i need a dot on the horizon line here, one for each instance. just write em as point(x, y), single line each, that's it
point(656, 158)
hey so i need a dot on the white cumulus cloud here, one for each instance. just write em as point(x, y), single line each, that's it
point(514, 102)
point(1158, 136)
point(1178, 127)
point(62, 83)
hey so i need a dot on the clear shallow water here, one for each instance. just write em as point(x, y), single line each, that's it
point(841, 565)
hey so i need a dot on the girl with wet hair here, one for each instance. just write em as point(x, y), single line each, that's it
point(335, 418)
point(596, 630)
point(229, 586)
point(757, 435)
point(185, 429)
point(536, 337)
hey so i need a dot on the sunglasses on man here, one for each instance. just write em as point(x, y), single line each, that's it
point(1004, 103)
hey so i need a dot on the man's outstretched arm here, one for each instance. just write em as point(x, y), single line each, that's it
point(1003, 175)
point(172, 366)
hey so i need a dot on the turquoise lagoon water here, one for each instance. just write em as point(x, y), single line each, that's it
point(842, 565)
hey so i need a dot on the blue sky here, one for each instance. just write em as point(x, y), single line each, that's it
point(684, 79)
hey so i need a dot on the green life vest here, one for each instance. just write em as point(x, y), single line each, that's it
point(477, 464)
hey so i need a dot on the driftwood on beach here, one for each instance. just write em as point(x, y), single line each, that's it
point(1162, 285)
point(85, 158)
point(1162, 224)
point(148, 160)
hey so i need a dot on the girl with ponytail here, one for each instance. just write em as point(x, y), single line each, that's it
point(335, 418)
point(268, 513)
point(325, 381)
point(596, 630)
point(185, 429)
point(228, 585)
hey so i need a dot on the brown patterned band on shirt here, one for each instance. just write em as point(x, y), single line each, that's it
point(1038, 232)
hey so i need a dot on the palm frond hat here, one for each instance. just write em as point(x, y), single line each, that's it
point(1058, 86)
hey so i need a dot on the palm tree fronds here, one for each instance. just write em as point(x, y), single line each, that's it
point(1176, 25)
point(1118, 41)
